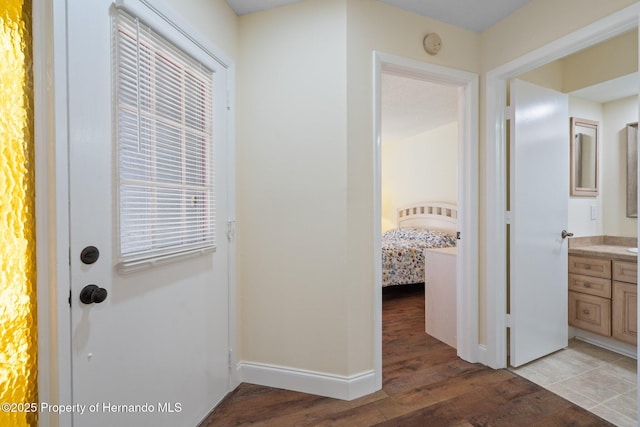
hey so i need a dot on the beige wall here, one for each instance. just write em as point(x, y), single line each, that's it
point(539, 23)
point(550, 76)
point(608, 60)
point(305, 175)
point(611, 202)
point(214, 19)
point(580, 222)
point(292, 187)
point(305, 162)
point(423, 167)
point(616, 115)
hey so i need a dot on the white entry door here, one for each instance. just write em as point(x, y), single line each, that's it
point(155, 352)
point(539, 197)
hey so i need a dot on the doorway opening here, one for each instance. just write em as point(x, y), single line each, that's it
point(419, 192)
point(600, 350)
point(464, 86)
point(557, 66)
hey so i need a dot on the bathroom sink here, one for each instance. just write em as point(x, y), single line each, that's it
point(634, 250)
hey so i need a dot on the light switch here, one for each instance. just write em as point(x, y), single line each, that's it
point(594, 212)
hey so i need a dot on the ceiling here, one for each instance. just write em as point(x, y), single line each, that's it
point(474, 15)
point(610, 90)
point(411, 107)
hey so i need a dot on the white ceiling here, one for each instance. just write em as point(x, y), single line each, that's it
point(474, 15)
point(411, 107)
point(610, 90)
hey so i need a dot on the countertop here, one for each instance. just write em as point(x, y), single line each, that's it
point(604, 246)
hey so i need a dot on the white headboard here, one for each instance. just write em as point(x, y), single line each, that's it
point(432, 215)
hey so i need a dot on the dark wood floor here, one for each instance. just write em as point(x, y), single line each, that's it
point(424, 384)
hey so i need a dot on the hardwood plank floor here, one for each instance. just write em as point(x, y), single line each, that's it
point(424, 384)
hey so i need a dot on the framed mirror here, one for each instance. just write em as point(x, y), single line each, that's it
point(584, 157)
point(632, 170)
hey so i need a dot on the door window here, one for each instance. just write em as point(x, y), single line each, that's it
point(163, 113)
point(18, 333)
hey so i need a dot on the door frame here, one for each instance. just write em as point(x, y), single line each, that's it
point(52, 201)
point(494, 354)
point(467, 264)
point(52, 207)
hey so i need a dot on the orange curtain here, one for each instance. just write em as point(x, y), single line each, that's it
point(18, 333)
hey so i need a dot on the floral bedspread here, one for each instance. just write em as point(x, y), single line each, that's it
point(403, 253)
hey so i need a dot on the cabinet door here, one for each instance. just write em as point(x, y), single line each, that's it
point(590, 285)
point(590, 313)
point(625, 312)
point(625, 271)
point(596, 267)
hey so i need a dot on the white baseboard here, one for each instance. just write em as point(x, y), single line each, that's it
point(620, 347)
point(482, 354)
point(335, 386)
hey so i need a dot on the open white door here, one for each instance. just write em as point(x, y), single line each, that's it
point(155, 352)
point(539, 197)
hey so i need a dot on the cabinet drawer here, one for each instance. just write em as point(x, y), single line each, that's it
point(625, 312)
point(590, 313)
point(590, 266)
point(625, 271)
point(590, 285)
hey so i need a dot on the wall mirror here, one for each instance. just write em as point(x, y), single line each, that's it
point(584, 157)
point(632, 170)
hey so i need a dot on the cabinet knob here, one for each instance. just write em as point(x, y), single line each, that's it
point(587, 267)
point(586, 312)
point(587, 285)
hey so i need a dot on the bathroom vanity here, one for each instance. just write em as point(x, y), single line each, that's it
point(603, 286)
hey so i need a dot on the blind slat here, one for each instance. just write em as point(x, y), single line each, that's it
point(165, 145)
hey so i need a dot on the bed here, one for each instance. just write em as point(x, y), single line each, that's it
point(420, 226)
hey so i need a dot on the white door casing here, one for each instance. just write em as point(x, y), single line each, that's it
point(539, 159)
point(467, 259)
point(156, 351)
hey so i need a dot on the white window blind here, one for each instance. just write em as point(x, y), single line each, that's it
point(163, 112)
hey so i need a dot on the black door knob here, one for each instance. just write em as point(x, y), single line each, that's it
point(93, 294)
point(89, 255)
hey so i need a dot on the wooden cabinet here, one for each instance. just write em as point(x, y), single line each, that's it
point(624, 271)
point(625, 301)
point(590, 294)
point(590, 313)
point(590, 285)
point(603, 296)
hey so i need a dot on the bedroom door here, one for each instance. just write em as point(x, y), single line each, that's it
point(539, 197)
point(150, 336)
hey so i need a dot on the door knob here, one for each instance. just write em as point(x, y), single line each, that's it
point(89, 255)
point(565, 234)
point(93, 294)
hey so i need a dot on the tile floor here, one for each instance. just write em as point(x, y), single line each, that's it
point(594, 378)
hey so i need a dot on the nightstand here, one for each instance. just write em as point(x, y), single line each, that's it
point(440, 294)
